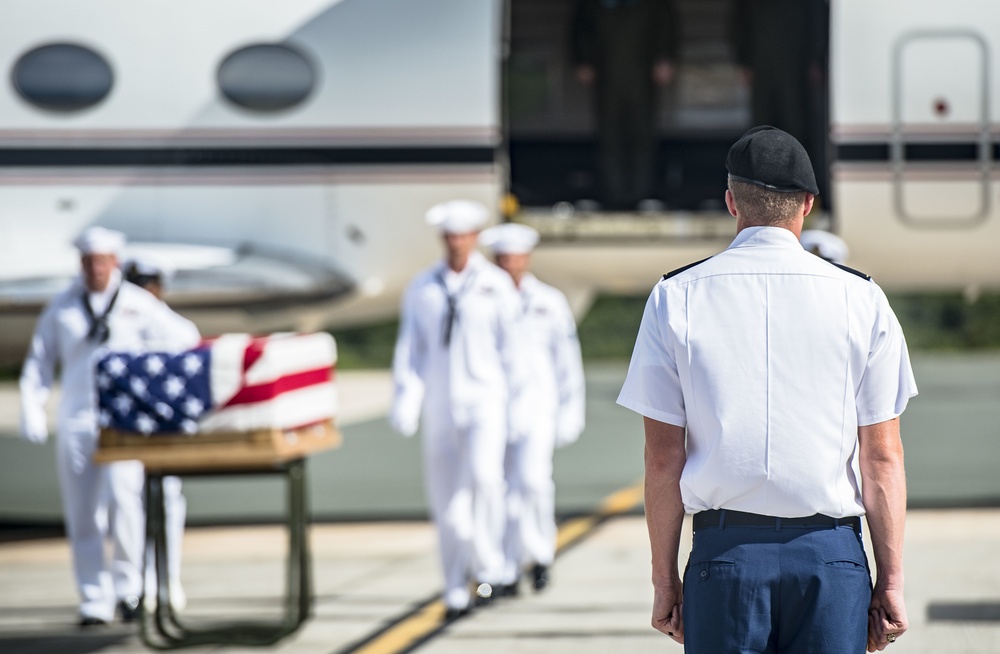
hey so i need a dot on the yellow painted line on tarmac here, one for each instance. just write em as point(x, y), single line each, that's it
point(573, 530)
point(624, 500)
point(405, 634)
point(428, 620)
point(620, 501)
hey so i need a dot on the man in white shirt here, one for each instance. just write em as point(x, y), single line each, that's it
point(99, 312)
point(771, 384)
point(554, 414)
point(457, 365)
point(151, 273)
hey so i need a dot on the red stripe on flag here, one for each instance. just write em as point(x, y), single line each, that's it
point(253, 352)
point(269, 390)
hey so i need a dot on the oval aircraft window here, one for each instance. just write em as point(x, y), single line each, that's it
point(62, 77)
point(266, 77)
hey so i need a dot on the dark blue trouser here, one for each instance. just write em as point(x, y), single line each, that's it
point(776, 590)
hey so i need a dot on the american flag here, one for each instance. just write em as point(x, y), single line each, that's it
point(154, 392)
point(232, 383)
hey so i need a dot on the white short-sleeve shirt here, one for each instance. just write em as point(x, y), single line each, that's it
point(771, 357)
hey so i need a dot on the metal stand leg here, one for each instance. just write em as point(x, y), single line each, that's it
point(299, 598)
point(171, 633)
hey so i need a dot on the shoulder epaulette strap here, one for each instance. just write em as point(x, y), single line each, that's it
point(683, 268)
point(853, 271)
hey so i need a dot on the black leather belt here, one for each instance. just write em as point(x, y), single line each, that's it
point(727, 518)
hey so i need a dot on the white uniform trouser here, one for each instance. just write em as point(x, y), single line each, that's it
point(465, 485)
point(175, 506)
point(531, 526)
point(99, 499)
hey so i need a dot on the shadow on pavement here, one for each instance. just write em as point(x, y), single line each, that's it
point(964, 611)
point(75, 642)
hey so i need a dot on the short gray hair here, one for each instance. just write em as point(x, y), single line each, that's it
point(760, 206)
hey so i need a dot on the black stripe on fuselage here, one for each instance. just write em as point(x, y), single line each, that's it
point(270, 156)
point(962, 151)
point(140, 157)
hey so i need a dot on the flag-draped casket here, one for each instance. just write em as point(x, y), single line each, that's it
point(231, 383)
point(281, 385)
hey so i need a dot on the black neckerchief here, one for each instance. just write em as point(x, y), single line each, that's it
point(99, 331)
point(525, 296)
point(453, 298)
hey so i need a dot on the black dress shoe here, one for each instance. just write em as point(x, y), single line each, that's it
point(542, 578)
point(484, 594)
point(510, 590)
point(88, 621)
point(130, 608)
point(452, 614)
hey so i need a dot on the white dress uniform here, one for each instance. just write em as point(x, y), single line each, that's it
point(460, 375)
point(553, 407)
point(824, 244)
point(829, 346)
point(175, 333)
point(168, 335)
point(96, 498)
point(555, 418)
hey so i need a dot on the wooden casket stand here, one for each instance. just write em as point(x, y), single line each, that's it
point(264, 451)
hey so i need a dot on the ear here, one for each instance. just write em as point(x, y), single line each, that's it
point(810, 199)
point(731, 203)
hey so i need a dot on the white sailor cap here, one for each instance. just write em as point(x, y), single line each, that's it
point(100, 240)
point(509, 238)
point(824, 244)
point(458, 216)
point(148, 265)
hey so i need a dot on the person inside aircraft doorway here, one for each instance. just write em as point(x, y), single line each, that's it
point(781, 48)
point(625, 49)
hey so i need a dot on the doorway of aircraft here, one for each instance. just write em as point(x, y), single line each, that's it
point(551, 112)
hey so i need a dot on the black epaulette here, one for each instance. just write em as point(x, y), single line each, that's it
point(683, 268)
point(853, 271)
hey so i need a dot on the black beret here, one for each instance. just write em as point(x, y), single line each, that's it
point(773, 159)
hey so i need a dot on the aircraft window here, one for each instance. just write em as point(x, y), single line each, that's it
point(62, 77)
point(266, 77)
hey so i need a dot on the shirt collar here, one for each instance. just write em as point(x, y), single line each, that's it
point(476, 260)
point(760, 235)
point(527, 281)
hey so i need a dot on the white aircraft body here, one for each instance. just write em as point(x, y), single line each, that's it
point(318, 206)
point(283, 154)
point(916, 125)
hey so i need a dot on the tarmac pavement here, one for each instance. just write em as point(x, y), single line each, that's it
point(376, 581)
point(369, 576)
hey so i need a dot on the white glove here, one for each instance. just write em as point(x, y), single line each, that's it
point(567, 431)
point(519, 426)
point(405, 422)
point(34, 427)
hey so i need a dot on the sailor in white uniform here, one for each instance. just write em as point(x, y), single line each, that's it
point(99, 312)
point(555, 413)
point(825, 245)
point(457, 366)
point(151, 273)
